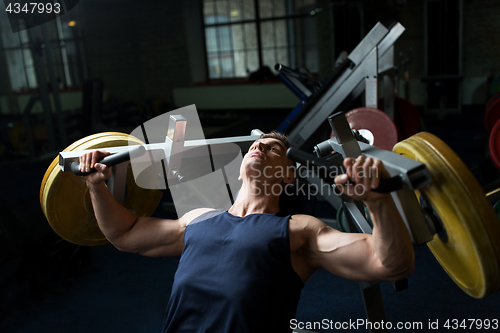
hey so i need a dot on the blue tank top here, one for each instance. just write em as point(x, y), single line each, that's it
point(235, 275)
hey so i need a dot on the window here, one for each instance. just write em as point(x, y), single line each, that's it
point(243, 35)
point(60, 37)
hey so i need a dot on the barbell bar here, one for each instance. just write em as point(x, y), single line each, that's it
point(466, 229)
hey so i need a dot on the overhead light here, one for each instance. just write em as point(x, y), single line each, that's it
point(234, 13)
point(72, 23)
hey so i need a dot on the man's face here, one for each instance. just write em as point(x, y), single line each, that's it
point(266, 160)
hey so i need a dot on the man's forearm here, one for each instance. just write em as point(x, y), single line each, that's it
point(390, 238)
point(114, 220)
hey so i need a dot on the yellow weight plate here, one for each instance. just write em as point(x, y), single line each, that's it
point(471, 253)
point(65, 200)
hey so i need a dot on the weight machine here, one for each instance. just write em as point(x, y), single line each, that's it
point(358, 73)
point(417, 174)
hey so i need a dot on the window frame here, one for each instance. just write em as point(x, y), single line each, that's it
point(72, 75)
point(257, 20)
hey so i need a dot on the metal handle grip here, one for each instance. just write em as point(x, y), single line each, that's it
point(110, 160)
point(327, 169)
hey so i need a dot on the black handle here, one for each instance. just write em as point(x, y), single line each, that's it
point(110, 160)
point(328, 170)
point(324, 168)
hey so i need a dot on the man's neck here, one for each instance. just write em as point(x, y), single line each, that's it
point(253, 202)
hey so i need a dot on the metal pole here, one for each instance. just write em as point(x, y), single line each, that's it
point(426, 57)
point(55, 87)
point(374, 304)
point(257, 20)
point(460, 50)
point(36, 51)
point(290, 35)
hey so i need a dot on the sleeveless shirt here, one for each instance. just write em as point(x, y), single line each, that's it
point(234, 275)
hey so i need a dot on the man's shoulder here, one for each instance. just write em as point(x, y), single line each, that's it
point(304, 218)
point(305, 224)
point(197, 215)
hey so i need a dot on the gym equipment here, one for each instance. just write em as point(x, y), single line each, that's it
point(65, 199)
point(491, 100)
point(467, 228)
point(358, 73)
point(466, 251)
point(403, 63)
point(412, 175)
point(406, 176)
point(344, 223)
point(419, 213)
point(494, 145)
point(492, 115)
point(91, 105)
point(374, 125)
point(452, 214)
point(406, 123)
point(52, 115)
point(406, 117)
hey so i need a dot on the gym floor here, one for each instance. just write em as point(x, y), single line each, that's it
point(48, 285)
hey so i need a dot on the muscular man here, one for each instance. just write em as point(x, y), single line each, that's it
point(242, 270)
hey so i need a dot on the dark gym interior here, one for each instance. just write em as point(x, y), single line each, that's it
point(109, 66)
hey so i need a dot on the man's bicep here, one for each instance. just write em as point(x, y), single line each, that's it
point(348, 255)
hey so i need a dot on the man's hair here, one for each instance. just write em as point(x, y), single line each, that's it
point(278, 136)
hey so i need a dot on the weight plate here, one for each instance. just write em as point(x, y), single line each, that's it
point(65, 199)
point(380, 125)
point(494, 145)
point(491, 100)
point(492, 115)
point(406, 116)
point(468, 247)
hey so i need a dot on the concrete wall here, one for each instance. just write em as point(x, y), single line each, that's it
point(481, 58)
point(139, 48)
point(69, 101)
point(481, 54)
point(241, 96)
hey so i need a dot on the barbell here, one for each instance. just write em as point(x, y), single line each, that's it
point(65, 199)
point(467, 229)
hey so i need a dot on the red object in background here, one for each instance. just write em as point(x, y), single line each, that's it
point(491, 100)
point(492, 115)
point(385, 132)
point(406, 117)
point(495, 145)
